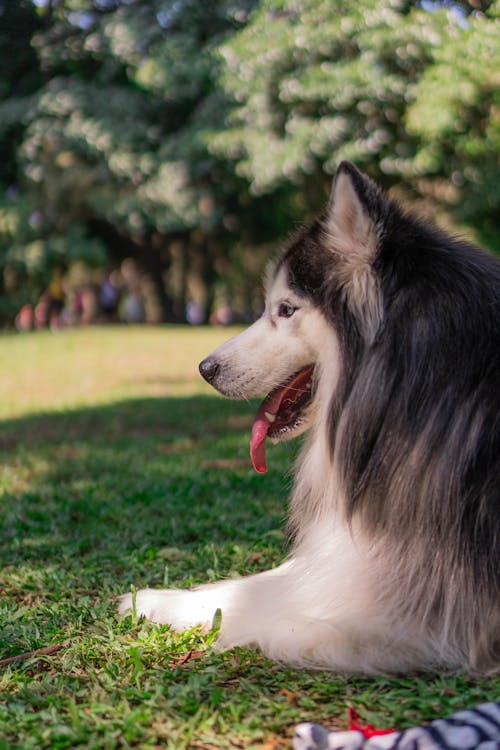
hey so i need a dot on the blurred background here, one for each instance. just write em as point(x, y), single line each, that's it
point(154, 153)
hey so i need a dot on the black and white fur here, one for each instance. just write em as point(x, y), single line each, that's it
point(395, 564)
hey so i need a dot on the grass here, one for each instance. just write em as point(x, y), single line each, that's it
point(111, 476)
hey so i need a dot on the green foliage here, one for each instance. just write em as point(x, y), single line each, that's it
point(456, 116)
point(322, 82)
point(149, 122)
point(128, 118)
point(313, 83)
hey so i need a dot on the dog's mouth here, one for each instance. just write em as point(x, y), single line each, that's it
point(281, 415)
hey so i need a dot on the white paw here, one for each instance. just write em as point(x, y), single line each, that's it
point(180, 609)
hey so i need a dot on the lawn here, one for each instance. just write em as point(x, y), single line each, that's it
point(119, 467)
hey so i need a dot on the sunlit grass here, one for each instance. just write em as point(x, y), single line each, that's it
point(110, 476)
point(50, 371)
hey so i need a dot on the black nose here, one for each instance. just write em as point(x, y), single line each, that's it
point(209, 368)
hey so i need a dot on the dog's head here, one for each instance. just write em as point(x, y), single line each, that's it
point(326, 271)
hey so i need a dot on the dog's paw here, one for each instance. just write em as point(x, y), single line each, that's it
point(179, 609)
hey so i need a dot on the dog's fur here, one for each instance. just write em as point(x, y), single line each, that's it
point(395, 510)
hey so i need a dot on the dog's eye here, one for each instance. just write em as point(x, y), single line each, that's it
point(286, 310)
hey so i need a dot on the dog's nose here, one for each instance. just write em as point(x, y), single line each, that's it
point(209, 368)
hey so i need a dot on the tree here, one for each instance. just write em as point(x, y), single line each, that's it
point(406, 90)
point(455, 115)
point(192, 135)
point(112, 139)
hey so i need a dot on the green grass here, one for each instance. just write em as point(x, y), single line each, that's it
point(109, 477)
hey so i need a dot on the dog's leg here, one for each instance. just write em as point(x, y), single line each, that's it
point(308, 611)
point(319, 609)
point(182, 609)
point(281, 611)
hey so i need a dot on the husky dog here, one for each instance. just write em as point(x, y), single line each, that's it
point(381, 337)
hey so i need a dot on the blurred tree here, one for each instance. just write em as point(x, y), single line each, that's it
point(315, 81)
point(112, 137)
point(404, 89)
point(455, 115)
point(20, 77)
point(188, 135)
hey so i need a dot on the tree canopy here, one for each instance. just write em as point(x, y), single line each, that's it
point(192, 136)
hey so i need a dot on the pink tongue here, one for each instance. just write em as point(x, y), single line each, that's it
point(258, 444)
point(260, 428)
point(271, 405)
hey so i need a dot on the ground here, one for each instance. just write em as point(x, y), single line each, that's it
point(120, 467)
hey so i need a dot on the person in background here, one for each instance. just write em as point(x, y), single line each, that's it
point(55, 298)
point(41, 312)
point(25, 318)
point(132, 305)
point(109, 297)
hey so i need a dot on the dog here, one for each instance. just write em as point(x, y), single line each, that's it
point(380, 338)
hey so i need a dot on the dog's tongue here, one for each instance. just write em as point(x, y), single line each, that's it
point(269, 408)
point(260, 428)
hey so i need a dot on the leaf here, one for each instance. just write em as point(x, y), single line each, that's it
point(291, 696)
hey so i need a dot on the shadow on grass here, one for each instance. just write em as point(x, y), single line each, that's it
point(194, 415)
point(115, 494)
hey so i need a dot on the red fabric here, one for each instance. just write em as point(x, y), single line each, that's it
point(368, 730)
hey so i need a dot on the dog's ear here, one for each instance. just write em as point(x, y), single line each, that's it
point(351, 229)
point(354, 200)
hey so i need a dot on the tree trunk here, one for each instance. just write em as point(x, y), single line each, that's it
point(208, 276)
point(156, 262)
